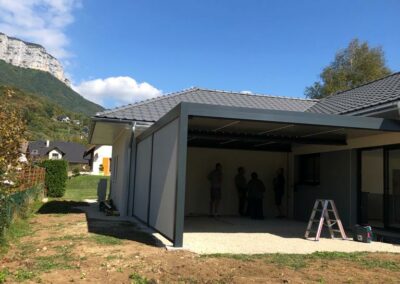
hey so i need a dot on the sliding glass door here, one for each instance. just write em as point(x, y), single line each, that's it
point(380, 187)
point(393, 194)
point(372, 187)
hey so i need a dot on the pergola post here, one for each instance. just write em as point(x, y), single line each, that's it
point(181, 178)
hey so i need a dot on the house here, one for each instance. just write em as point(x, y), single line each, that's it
point(63, 118)
point(345, 147)
point(99, 159)
point(55, 150)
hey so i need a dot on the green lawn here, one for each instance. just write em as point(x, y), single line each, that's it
point(83, 187)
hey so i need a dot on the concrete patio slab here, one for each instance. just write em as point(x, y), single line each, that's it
point(245, 236)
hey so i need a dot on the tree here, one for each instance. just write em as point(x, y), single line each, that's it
point(12, 132)
point(352, 66)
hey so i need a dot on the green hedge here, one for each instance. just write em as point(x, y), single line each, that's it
point(16, 204)
point(56, 177)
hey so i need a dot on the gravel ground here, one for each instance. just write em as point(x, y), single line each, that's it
point(238, 235)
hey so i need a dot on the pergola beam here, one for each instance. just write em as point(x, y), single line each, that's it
point(256, 138)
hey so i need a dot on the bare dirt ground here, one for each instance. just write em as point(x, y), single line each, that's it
point(64, 247)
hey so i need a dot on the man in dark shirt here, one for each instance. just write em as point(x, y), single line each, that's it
point(241, 187)
point(256, 191)
point(215, 178)
point(279, 190)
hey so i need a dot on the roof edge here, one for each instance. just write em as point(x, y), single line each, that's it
point(194, 89)
point(359, 86)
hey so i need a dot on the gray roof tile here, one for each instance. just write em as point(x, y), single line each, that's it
point(73, 151)
point(153, 109)
point(371, 94)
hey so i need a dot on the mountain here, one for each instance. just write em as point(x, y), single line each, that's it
point(30, 55)
point(41, 115)
point(47, 86)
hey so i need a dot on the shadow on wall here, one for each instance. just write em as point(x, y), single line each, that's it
point(123, 230)
point(280, 227)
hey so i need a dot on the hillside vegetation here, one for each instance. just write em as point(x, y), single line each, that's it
point(46, 86)
point(40, 116)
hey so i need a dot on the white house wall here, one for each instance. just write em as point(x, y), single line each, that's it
point(101, 152)
point(163, 179)
point(362, 142)
point(142, 178)
point(54, 151)
point(120, 171)
point(202, 160)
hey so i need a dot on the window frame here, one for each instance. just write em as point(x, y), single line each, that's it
point(303, 167)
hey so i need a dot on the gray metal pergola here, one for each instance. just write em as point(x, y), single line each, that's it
point(161, 150)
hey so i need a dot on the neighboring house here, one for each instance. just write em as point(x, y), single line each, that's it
point(63, 118)
point(55, 154)
point(99, 159)
point(344, 147)
point(55, 150)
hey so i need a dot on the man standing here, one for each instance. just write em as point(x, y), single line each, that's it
point(256, 191)
point(241, 187)
point(215, 178)
point(279, 190)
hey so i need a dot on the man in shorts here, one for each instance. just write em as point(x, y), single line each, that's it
point(215, 178)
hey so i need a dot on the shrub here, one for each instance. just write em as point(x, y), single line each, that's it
point(76, 172)
point(56, 177)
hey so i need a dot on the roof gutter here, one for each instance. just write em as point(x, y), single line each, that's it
point(376, 110)
point(115, 120)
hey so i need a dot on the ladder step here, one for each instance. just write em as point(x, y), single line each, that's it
point(325, 219)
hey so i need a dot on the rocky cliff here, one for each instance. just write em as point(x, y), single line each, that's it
point(30, 55)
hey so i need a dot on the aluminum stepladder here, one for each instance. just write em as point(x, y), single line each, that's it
point(325, 207)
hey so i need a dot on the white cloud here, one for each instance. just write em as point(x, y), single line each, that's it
point(114, 91)
point(39, 21)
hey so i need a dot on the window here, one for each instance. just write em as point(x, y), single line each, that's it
point(55, 156)
point(35, 152)
point(309, 169)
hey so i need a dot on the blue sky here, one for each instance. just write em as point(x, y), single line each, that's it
point(118, 52)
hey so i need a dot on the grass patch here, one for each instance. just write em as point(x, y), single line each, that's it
point(299, 261)
point(26, 249)
point(20, 227)
point(138, 279)
point(22, 275)
point(65, 249)
point(80, 237)
point(51, 262)
point(3, 275)
point(82, 187)
point(113, 256)
point(106, 240)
